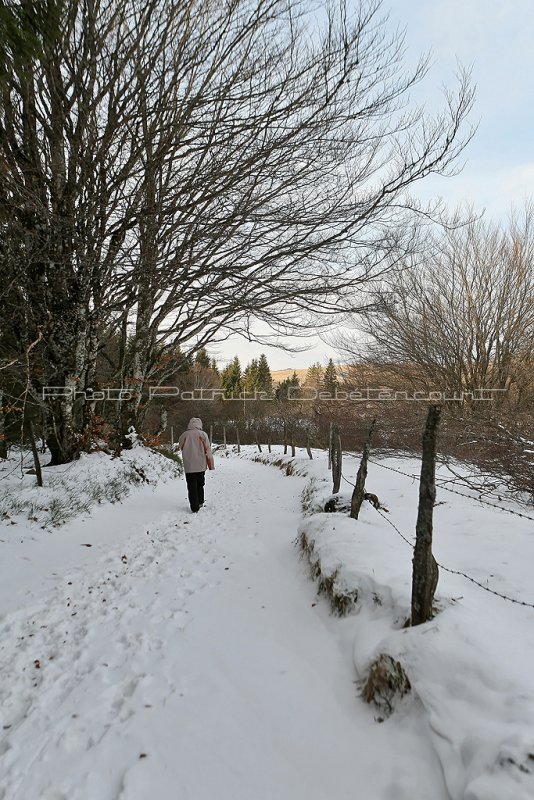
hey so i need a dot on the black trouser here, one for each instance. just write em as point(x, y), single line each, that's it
point(195, 489)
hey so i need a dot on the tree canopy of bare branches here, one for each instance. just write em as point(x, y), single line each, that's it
point(460, 317)
point(173, 170)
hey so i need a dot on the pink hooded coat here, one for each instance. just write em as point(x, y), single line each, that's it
point(195, 446)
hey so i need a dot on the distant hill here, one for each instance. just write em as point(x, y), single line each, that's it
point(280, 375)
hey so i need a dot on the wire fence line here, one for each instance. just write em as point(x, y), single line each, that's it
point(454, 491)
point(442, 566)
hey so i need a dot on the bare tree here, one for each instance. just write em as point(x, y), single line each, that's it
point(175, 171)
point(64, 139)
point(460, 318)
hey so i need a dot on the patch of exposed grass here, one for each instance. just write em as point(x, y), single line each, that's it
point(342, 602)
point(387, 683)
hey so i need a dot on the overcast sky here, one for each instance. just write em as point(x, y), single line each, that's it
point(495, 38)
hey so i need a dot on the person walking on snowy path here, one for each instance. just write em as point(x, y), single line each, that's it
point(197, 457)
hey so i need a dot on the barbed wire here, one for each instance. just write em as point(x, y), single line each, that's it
point(448, 569)
point(455, 491)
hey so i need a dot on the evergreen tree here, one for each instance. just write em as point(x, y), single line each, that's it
point(264, 382)
point(288, 388)
point(214, 367)
point(232, 379)
point(314, 376)
point(202, 358)
point(330, 380)
point(26, 30)
point(250, 376)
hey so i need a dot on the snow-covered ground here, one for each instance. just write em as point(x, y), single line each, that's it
point(188, 657)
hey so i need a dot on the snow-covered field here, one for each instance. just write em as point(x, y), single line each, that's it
point(188, 656)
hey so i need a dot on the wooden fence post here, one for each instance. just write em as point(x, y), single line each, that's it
point(330, 433)
point(359, 488)
point(292, 442)
point(211, 433)
point(237, 438)
point(308, 447)
point(336, 459)
point(224, 436)
point(269, 442)
point(425, 569)
point(285, 439)
point(258, 441)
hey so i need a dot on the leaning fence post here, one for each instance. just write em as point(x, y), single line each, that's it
point(359, 488)
point(336, 459)
point(237, 438)
point(425, 569)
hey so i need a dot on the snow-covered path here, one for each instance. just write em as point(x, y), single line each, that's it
point(190, 659)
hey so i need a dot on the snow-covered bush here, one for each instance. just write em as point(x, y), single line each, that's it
point(72, 490)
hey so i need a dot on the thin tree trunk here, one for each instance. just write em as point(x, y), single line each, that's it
point(211, 434)
point(36, 462)
point(3, 443)
point(237, 438)
point(44, 428)
point(292, 442)
point(359, 488)
point(336, 459)
point(163, 420)
point(269, 443)
point(330, 441)
point(224, 436)
point(308, 447)
point(285, 439)
point(425, 568)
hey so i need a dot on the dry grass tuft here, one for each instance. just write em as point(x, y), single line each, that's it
point(386, 684)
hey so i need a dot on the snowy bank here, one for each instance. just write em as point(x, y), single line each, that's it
point(470, 667)
point(72, 489)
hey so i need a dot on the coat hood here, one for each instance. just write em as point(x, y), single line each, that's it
point(194, 424)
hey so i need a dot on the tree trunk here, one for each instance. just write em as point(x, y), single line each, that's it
point(425, 569)
point(308, 447)
point(359, 488)
point(61, 440)
point(36, 462)
point(330, 441)
point(336, 459)
point(163, 420)
point(88, 408)
point(285, 439)
point(3, 443)
point(237, 438)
